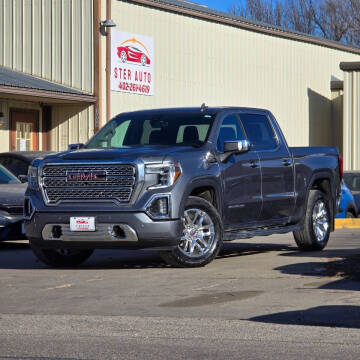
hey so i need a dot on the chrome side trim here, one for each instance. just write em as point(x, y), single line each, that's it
point(104, 232)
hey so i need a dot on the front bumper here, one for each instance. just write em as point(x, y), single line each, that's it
point(137, 231)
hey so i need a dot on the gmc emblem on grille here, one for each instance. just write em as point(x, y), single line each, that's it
point(86, 176)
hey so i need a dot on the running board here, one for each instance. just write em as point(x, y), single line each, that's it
point(247, 234)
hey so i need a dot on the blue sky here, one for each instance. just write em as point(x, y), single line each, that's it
point(222, 5)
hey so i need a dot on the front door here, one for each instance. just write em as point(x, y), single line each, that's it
point(241, 178)
point(24, 130)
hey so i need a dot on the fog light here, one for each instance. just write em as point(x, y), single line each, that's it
point(56, 232)
point(159, 207)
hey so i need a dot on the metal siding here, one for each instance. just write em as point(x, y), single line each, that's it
point(66, 42)
point(8, 33)
point(87, 45)
point(2, 30)
point(76, 44)
point(52, 39)
point(37, 37)
point(200, 61)
point(27, 43)
point(71, 124)
point(18, 35)
point(56, 40)
point(47, 40)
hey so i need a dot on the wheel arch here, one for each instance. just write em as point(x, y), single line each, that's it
point(324, 181)
point(351, 207)
point(207, 188)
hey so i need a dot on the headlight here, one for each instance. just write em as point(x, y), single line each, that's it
point(166, 174)
point(33, 178)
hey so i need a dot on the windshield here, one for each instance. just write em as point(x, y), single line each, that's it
point(125, 131)
point(352, 181)
point(6, 177)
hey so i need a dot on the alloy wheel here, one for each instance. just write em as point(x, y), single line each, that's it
point(320, 219)
point(198, 235)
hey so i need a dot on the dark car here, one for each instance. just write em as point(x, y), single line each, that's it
point(11, 206)
point(181, 181)
point(18, 162)
point(352, 180)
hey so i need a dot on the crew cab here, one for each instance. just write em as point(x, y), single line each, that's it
point(181, 181)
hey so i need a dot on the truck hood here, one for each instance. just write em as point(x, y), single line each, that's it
point(145, 153)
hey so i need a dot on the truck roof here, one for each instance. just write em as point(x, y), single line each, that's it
point(208, 110)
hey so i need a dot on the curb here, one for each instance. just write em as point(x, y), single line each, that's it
point(347, 224)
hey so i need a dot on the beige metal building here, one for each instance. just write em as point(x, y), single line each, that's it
point(197, 56)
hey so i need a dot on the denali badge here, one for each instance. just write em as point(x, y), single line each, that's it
point(86, 176)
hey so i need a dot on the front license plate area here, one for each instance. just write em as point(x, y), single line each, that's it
point(82, 224)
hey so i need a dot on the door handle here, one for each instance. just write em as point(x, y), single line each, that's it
point(253, 164)
point(287, 162)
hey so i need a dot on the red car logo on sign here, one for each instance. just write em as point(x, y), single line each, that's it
point(86, 176)
point(81, 222)
point(132, 54)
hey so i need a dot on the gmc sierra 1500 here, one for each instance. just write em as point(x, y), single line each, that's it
point(181, 181)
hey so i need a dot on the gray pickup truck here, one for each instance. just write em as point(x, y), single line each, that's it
point(181, 181)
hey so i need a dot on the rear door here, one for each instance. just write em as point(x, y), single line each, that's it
point(241, 178)
point(277, 169)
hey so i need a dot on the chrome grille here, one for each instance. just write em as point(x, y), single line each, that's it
point(111, 170)
point(118, 183)
point(115, 181)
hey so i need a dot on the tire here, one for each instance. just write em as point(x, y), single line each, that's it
point(61, 257)
point(188, 252)
point(350, 215)
point(315, 234)
point(143, 60)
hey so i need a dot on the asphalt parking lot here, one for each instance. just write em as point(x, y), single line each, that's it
point(260, 298)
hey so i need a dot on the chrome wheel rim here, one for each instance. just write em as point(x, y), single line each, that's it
point(320, 220)
point(198, 237)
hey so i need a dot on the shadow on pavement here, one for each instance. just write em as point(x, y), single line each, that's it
point(344, 273)
point(232, 249)
point(15, 255)
point(331, 316)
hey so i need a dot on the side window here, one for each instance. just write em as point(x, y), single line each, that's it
point(259, 131)
point(230, 130)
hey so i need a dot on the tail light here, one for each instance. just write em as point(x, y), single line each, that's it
point(341, 167)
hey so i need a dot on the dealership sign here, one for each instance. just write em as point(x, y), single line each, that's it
point(132, 63)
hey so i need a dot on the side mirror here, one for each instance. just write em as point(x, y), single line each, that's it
point(237, 147)
point(77, 146)
point(234, 147)
point(23, 178)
